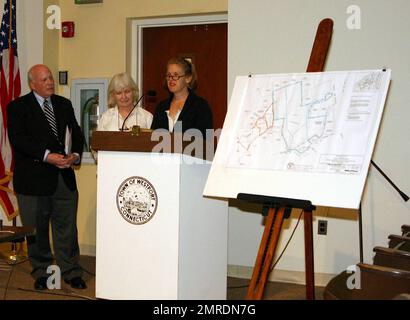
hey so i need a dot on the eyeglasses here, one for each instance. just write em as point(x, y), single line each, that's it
point(174, 77)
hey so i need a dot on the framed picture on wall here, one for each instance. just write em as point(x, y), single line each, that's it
point(89, 98)
point(87, 1)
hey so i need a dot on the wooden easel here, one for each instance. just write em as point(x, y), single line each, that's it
point(279, 209)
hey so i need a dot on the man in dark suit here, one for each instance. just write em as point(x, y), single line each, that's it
point(47, 142)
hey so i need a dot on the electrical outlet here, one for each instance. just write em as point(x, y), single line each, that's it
point(322, 227)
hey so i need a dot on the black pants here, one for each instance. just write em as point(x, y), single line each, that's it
point(59, 210)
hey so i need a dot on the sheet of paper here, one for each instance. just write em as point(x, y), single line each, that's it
point(68, 141)
point(298, 130)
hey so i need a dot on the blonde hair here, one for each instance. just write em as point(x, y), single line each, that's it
point(119, 82)
point(188, 68)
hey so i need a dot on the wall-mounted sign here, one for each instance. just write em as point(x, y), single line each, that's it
point(87, 1)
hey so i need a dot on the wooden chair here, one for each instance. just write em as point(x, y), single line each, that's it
point(405, 229)
point(14, 235)
point(376, 283)
point(387, 278)
point(392, 258)
point(10, 234)
point(399, 242)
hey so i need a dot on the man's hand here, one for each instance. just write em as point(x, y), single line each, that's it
point(61, 161)
point(72, 158)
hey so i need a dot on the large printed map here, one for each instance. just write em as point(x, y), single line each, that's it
point(319, 122)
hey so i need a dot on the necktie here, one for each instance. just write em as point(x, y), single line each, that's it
point(48, 111)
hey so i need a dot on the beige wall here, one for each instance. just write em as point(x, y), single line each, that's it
point(86, 220)
point(51, 40)
point(99, 46)
point(99, 50)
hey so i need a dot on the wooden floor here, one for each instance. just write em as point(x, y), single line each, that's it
point(16, 283)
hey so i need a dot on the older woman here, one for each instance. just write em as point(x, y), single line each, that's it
point(122, 96)
point(183, 105)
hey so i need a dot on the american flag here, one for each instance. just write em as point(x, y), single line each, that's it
point(10, 88)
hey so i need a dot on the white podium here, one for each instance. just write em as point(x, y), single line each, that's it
point(180, 252)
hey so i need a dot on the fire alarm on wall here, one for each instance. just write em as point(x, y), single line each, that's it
point(67, 29)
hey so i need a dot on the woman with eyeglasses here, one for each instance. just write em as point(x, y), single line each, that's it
point(183, 109)
point(122, 113)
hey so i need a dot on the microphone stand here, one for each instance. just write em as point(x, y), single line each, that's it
point(128, 115)
point(136, 128)
point(402, 194)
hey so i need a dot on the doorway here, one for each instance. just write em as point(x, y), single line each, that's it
point(205, 44)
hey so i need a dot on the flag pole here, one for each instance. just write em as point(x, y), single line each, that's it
point(14, 257)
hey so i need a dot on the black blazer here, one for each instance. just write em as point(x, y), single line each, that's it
point(30, 136)
point(195, 114)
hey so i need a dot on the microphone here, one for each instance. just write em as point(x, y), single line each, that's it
point(151, 93)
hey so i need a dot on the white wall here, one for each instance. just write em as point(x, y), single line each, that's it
point(276, 36)
point(29, 36)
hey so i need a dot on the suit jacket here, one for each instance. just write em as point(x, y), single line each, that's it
point(196, 113)
point(30, 136)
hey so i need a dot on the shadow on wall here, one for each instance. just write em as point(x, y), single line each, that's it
point(246, 207)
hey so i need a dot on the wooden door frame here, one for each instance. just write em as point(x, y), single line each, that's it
point(137, 26)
